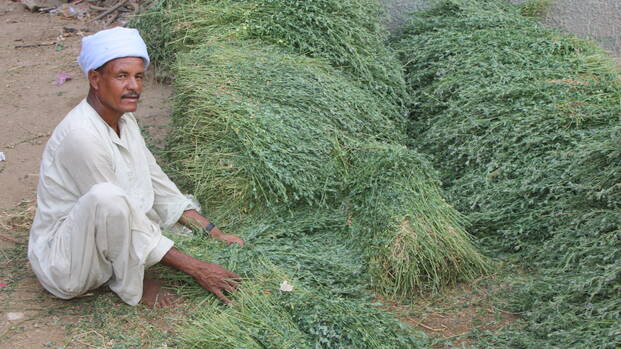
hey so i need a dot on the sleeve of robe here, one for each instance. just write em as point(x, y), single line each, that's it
point(169, 202)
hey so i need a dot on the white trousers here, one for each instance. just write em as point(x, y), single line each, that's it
point(104, 239)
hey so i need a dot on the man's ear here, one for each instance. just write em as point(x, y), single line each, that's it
point(94, 78)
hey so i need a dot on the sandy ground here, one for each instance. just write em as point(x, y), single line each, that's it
point(31, 107)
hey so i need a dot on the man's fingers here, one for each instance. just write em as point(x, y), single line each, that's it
point(232, 284)
point(234, 276)
point(229, 288)
point(231, 239)
point(221, 296)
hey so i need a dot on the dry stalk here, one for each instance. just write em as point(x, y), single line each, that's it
point(110, 10)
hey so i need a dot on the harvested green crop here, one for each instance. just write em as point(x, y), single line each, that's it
point(325, 259)
point(328, 306)
point(416, 240)
point(522, 123)
point(287, 120)
point(257, 126)
point(346, 34)
point(258, 130)
point(267, 315)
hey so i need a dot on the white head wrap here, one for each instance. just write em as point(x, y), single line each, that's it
point(109, 44)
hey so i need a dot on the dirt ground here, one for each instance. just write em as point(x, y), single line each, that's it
point(31, 108)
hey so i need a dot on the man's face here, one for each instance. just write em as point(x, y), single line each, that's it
point(118, 84)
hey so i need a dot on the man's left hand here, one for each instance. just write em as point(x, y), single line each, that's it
point(226, 238)
point(195, 220)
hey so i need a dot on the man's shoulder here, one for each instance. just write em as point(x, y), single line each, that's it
point(131, 121)
point(76, 128)
point(133, 127)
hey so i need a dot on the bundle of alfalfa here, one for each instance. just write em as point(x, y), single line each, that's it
point(415, 239)
point(258, 132)
point(274, 310)
point(273, 143)
point(347, 34)
point(253, 124)
point(518, 119)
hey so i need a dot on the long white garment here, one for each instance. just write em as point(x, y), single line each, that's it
point(86, 167)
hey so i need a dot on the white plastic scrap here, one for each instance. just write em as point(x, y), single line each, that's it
point(14, 316)
point(285, 287)
point(2, 156)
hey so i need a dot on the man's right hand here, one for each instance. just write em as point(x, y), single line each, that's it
point(210, 276)
point(215, 279)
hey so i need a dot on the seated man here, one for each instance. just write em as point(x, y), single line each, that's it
point(102, 198)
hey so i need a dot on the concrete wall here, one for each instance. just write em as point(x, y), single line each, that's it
point(398, 11)
point(591, 19)
point(599, 20)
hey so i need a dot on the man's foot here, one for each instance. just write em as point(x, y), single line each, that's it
point(153, 295)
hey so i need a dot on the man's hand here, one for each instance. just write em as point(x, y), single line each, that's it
point(194, 220)
point(215, 279)
point(226, 238)
point(210, 276)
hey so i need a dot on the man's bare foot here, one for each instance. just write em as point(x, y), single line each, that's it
point(153, 295)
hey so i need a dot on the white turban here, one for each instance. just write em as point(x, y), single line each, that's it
point(109, 44)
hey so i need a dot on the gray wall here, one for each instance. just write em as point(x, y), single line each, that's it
point(592, 19)
point(398, 11)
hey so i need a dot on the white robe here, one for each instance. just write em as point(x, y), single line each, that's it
point(101, 202)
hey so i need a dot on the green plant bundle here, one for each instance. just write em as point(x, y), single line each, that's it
point(327, 308)
point(415, 239)
point(256, 126)
point(265, 316)
point(502, 112)
point(325, 259)
point(523, 125)
point(347, 34)
point(257, 130)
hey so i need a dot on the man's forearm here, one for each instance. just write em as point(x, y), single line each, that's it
point(193, 220)
point(180, 261)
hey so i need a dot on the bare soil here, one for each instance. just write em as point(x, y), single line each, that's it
point(452, 315)
point(31, 105)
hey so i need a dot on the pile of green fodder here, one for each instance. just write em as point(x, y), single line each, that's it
point(417, 238)
point(266, 126)
point(347, 34)
point(310, 315)
point(523, 124)
point(258, 131)
point(298, 149)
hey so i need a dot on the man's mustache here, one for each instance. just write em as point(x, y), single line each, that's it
point(131, 95)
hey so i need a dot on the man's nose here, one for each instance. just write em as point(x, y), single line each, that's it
point(133, 83)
